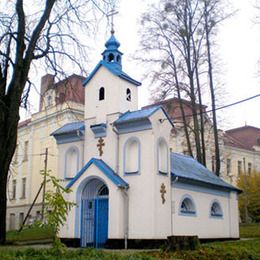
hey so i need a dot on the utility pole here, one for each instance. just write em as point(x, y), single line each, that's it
point(44, 181)
point(245, 192)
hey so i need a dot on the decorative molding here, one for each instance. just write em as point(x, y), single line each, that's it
point(128, 141)
point(192, 213)
point(99, 130)
point(161, 139)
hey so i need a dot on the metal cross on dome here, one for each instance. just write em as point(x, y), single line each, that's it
point(111, 14)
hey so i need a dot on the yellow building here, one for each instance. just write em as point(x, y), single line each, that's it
point(241, 152)
point(60, 103)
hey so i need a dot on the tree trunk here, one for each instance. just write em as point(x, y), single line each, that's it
point(8, 137)
point(212, 92)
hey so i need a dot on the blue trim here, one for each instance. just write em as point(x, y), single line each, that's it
point(66, 154)
point(68, 138)
point(161, 139)
point(194, 182)
point(216, 216)
point(128, 141)
point(102, 166)
point(136, 126)
point(99, 130)
point(200, 189)
point(192, 213)
point(73, 127)
point(114, 70)
point(140, 116)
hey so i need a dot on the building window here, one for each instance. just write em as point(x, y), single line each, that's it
point(187, 206)
point(14, 189)
point(132, 156)
point(228, 166)
point(102, 93)
point(25, 156)
point(12, 222)
point(49, 101)
point(215, 210)
point(239, 168)
point(249, 168)
point(128, 94)
point(38, 215)
point(23, 188)
point(21, 218)
point(162, 151)
point(111, 57)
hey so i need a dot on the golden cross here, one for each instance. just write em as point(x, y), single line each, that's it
point(163, 191)
point(100, 145)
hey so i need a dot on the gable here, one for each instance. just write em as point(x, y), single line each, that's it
point(115, 71)
point(105, 169)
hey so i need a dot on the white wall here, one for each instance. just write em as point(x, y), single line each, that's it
point(202, 224)
point(115, 96)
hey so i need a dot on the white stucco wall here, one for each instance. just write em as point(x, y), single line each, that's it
point(115, 96)
point(202, 224)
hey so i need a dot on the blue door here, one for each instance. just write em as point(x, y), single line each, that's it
point(94, 231)
point(101, 222)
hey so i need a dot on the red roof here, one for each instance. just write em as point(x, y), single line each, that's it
point(172, 106)
point(243, 137)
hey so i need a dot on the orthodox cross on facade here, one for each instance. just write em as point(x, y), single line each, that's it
point(111, 14)
point(163, 191)
point(100, 145)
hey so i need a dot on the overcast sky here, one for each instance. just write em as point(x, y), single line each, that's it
point(239, 52)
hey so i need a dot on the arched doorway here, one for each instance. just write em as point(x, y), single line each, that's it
point(94, 217)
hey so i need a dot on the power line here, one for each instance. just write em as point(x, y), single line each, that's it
point(222, 107)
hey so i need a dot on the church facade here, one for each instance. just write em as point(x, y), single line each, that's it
point(127, 184)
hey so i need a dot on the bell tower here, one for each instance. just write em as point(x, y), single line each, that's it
point(111, 55)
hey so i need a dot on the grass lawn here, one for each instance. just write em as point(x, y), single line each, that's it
point(29, 234)
point(250, 230)
point(229, 250)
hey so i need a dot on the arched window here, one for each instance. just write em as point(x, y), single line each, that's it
point(118, 58)
point(128, 94)
point(71, 162)
point(102, 93)
point(111, 57)
point(103, 191)
point(215, 210)
point(187, 206)
point(132, 156)
point(162, 156)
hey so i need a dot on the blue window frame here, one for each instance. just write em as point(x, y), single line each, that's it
point(216, 210)
point(187, 206)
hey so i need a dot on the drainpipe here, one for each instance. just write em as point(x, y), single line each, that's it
point(117, 148)
point(126, 215)
point(172, 182)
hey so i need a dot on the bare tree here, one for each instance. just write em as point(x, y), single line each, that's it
point(34, 33)
point(179, 34)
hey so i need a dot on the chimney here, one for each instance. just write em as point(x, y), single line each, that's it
point(46, 82)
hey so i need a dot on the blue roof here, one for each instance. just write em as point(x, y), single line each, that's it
point(103, 167)
point(140, 114)
point(114, 70)
point(69, 128)
point(112, 42)
point(188, 169)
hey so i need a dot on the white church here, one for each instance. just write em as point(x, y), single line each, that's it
point(129, 187)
